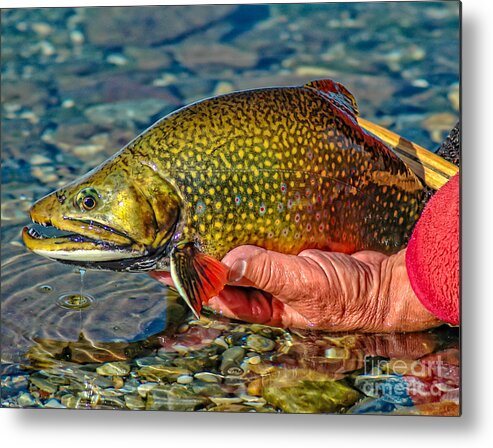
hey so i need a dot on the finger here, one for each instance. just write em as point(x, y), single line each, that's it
point(278, 274)
point(241, 253)
point(245, 304)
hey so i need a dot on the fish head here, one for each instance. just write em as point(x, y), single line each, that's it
point(112, 218)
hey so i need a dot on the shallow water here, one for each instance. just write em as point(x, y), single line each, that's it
point(77, 84)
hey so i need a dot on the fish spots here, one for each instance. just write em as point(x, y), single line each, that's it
point(277, 169)
point(200, 208)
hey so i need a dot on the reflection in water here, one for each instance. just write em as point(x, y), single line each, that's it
point(219, 365)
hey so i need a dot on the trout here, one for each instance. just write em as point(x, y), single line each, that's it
point(283, 168)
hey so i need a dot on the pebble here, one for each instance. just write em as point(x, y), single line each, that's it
point(43, 384)
point(118, 382)
point(41, 28)
point(117, 59)
point(207, 377)
point(231, 360)
point(438, 125)
point(111, 393)
point(200, 56)
point(162, 372)
point(149, 58)
point(225, 400)
point(25, 400)
point(130, 386)
point(315, 71)
point(259, 343)
point(223, 87)
point(114, 369)
point(144, 389)
point(134, 402)
point(221, 342)
point(174, 398)
point(54, 404)
point(77, 37)
point(254, 360)
point(68, 103)
point(70, 401)
point(39, 159)
point(184, 379)
point(454, 96)
point(125, 113)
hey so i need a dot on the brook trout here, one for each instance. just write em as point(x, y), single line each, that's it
point(286, 169)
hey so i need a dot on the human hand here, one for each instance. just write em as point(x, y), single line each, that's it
point(366, 291)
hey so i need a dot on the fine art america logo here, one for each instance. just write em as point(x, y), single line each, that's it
point(403, 379)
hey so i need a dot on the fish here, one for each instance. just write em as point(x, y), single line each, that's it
point(282, 168)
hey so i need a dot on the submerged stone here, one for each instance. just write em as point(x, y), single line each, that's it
point(162, 372)
point(134, 402)
point(174, 398)
point(259, 343)
point(25, 400)
point(305, 391)
point(114, 369)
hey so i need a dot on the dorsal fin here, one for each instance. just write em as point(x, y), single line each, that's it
point(337, 93)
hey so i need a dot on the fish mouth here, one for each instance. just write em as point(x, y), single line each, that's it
point(86, 243)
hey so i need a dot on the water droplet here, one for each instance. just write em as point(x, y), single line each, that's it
point(45, 289)
point(75, 301)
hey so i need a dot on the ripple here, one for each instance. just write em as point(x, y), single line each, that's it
point(41, 299)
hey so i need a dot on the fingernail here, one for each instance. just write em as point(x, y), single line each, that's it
point(237, 271)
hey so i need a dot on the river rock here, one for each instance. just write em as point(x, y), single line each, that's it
point(43, 384)
point(25, 400)
point(134, 402)
point(174, 398)
point(121, 26)
point(54, 404)
point(114, 369)
point(161, 372)
point(231, 360)
point(207, 377)
point(198, 56)
point(260, 344)
point(307, 391)
point(127, 113)
point(148, 58)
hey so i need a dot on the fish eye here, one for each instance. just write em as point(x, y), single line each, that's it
point(89, 203)
point(87, 199)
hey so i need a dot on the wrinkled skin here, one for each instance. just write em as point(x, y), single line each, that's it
point(366, 291)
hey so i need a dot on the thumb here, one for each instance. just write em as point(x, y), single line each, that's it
point(272, 272)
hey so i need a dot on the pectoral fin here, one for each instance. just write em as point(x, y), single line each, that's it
point(197, 276)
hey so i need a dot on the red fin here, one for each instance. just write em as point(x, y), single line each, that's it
point(197, 276)
point(213, 275)
point(337, 93)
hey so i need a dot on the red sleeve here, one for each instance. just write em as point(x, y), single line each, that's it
point(432, 256)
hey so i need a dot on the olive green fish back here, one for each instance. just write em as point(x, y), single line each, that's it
point(284, 169)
